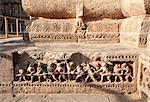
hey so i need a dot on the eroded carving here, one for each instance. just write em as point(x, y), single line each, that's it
point(146, 78)
point(66, 70)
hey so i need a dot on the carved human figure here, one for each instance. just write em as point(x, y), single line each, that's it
point(31, 70)
point(90, 72)
point(69, 66)
point(79, 72)
point(146, 78)
point(50, 69)
point(60, 71)
point(103, 67)
point(21, 75)
point(40, 72)
point(118, 72)
point(105, 71)
point(127, 71)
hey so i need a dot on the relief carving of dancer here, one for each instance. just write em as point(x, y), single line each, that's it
point(70, 68)
point(21, 75)
point(118, 72)
point(31, 70)
point(50, 69)
point(90, 72)
point(60, 71)
point(146, 78)
point(128, 72)
point(41, 73)
point(79, 72)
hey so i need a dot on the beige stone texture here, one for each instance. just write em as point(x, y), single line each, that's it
point(121, 65)
point(53, 30)
point(72, 8)
point(6, 66)
point(92, 8)
point(134, 30)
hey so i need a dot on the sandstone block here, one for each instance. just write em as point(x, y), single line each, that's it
point(134, 30)
point(135, 7)
point(95, 9)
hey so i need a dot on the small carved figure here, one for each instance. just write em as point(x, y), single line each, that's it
point(90, 70)
point(21, 75)
point(50, 69)
point(79, 72)
point(127, 71)
point(146, 78)
point(105, 72)
point(60, 71)
point(40, 72)
point(118, 72)
point(31, 70)
point(69, 66)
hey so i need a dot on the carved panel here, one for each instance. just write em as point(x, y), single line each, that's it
point(76, 73)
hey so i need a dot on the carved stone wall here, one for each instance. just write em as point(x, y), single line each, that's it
point(65, 30)
point(74, 72)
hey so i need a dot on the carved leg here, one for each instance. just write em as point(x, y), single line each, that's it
point(24, 78)
point(102, 77)
point(86, 79)
point(121, 79)
point(69, 77)
point(108, 78)
point(39, 78)
point(32, 78)
point(64, 77)
point(59, 78)
point(92, 77)
point(78, 76)
point(53, 76)
point(140, 93)
point(116, 77)
point(20, 78)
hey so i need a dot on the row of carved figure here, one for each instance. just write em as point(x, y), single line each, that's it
point(96, 71)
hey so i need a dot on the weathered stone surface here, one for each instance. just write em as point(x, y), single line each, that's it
point(64, 30)
point(135, 7)
point(67, 8)
point(134, 30)
point(107, 52)
point(144, 76)
point(6, 65)
point(47, 68)
point(71, 97)
point(92, 8)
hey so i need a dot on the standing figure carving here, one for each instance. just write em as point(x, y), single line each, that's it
point(31, 70)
